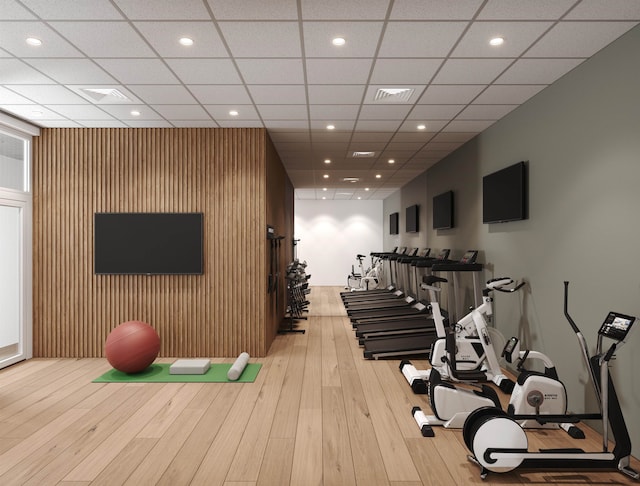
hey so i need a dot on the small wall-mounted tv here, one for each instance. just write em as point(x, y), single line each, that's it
point(504, 194)
point(443, 210)
point(148, 243)
point(411, 219)
point(394, 223)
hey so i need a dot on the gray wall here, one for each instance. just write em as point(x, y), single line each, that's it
point(581, 137)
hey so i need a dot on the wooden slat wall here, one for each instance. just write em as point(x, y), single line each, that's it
point(220, 172)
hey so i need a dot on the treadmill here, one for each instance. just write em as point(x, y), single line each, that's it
point(402, 344)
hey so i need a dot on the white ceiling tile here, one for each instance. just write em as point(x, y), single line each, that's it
point(332, 94)
point(79, 89)
point(578, 39)
point(450, 94)
point(286, 125)
point(404, 71)
point(149, 124)
point(138, 71)
point(81, 112)
point(171, 94)
point(370, 137)
point(194, 124)
point(254, 10)
point(435, 112)
point(67, 71)
point(361, 38)
point(384, 112)
point(11, 10)
point(415, 135)
point(219, 95)
point(326, 136)
point(123, 112)
point(33, 112)
point(164, 37)
point(485, 112)
point(205, 71)
point(338, 71)
point(339, 9)
point(537, 71)
point(404, 147)
point(221, 112)
point(43, 94)
point(163, 9)
point(454, 137)
point(278, 95)
point(470, 71)
point(340, 125)
point(378, 125)
point(420, 39)
point(367, 147)
point(524, 9)
point(73, 9)
point(467, 126)
point(334, 112)
point(609, 10)
point(104, 39)
point(434, 9)
point(8, 97)
point(182, 112)
point(13, 37)
point(442, 146)
point(262, 39)
point(103, 124)
point(518, 36)
point(508, 94)
point(290, 137)
point(284, 112)
point(240, 123)
point(271, 71)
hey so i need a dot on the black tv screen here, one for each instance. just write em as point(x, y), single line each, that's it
point(411, 220)
point(504, 194)
point(148, 243)
point(394, 226)
point(443, 210)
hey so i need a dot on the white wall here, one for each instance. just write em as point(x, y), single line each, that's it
point(332, 233)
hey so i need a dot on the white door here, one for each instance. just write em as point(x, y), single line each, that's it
point(15, 278)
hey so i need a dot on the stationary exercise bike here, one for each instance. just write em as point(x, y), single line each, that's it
point(465, 352)
point(364, 279)
point(535, 395)
point(498, 442)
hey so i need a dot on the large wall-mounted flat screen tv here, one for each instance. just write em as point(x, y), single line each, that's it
point(411, 220)
point(394, 223)
point(504, 194)
point(148, 243)
point(443, 210)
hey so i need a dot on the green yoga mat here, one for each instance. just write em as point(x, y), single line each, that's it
point(159, 373)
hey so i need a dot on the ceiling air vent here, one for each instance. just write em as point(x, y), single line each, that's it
point(393, 95)
point(363, 155)
point(99, 94)
point(350, 179)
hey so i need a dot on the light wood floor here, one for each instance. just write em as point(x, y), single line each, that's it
point(318, 414)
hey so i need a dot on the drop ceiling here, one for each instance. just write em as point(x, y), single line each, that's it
point(119, 63)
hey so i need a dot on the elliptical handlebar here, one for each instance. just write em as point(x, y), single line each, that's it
point(566, 308)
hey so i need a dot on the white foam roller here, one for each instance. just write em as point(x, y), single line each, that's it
point(238, 366)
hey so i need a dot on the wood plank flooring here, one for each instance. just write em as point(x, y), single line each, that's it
point(317, 414)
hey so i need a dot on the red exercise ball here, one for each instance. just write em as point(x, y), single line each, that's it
point(132, 346)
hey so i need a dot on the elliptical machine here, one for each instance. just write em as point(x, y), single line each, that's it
point(499, 444)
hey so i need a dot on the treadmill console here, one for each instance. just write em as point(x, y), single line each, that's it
point(616, 326)
point(469, 257)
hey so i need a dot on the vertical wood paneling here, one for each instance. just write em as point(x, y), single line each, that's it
point(220, 172)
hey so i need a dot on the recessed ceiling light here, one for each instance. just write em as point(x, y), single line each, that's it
point(339, 41)
point(33, 41)
point(326, 176)
point(327, 161)
point(359, 198)
point(497, 41)
point(366, 188)
point(331, 127)
point(135, 112)
point(391, 161)
point(324, 188)
point(324, 197)
point(186, 41)
point(233, 113)
point(421, 127)
point(378, 176)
